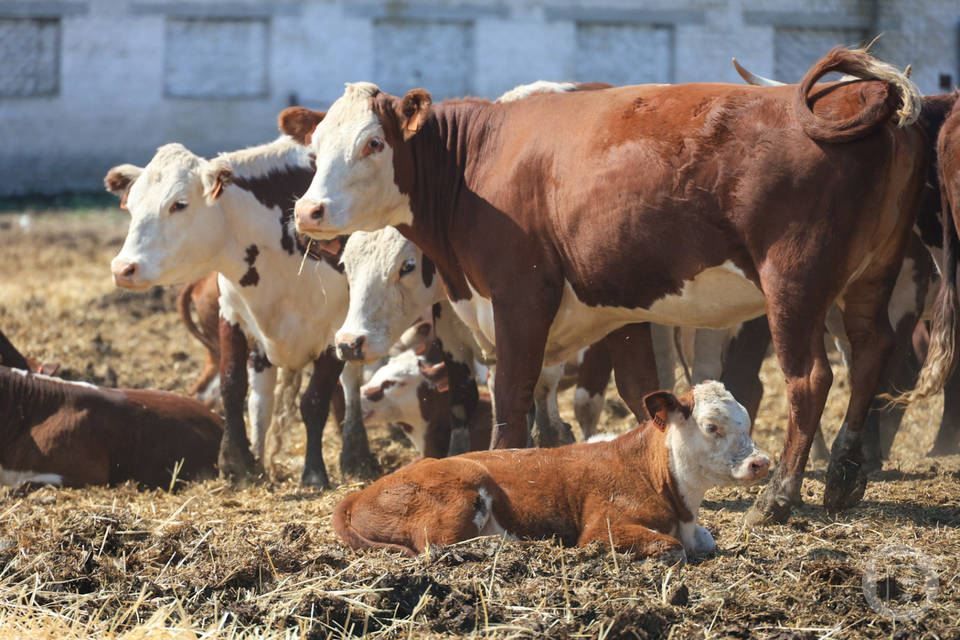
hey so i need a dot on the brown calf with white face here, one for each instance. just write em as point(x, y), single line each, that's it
point(556, 219)
point(641, 490)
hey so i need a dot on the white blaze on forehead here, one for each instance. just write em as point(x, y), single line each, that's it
point(712, 403)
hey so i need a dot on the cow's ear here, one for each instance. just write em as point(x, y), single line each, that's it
point(413, 111)
point(119, 180)
point(299, 123)
point(659, 406)
point(215, 176)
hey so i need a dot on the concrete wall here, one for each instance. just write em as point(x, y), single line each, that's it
point(85, 84)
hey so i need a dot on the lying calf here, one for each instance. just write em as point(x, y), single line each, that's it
point(642, 489)
point(74, 433)
point(415, 394)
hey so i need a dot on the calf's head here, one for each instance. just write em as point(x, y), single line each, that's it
point(391, 282)
point(407, 391)
point(177, 223)
point(356, 144)
point(708, 437)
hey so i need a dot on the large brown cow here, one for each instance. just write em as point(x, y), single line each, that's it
point(556, 219)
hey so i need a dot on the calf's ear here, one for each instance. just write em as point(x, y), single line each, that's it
point(119, 180)
point(659, 406)
point(413, 111)
point(299, 123)
point(215, 176)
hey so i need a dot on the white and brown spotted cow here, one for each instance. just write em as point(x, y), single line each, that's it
point(190, 216)
point(639, 492)
point(414, 393)
point(556, 219)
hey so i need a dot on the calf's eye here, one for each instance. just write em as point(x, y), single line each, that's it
point(408, 266)
point(179, 205)
point(710, 428)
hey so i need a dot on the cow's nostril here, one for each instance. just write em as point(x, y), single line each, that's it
point(759, 465)
point(317, 213)
point(357, 342)
point(129, 271)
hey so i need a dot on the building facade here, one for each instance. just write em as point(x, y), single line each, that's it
point(86, 84)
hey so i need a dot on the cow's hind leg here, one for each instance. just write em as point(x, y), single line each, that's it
point(314, 408)
point(796, 317)
point(871, 340)
point(634, 365)
point(356, 460)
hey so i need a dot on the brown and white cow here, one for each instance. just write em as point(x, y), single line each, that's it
point(641, 490)
point(204, 296)
point(75, 433)
point(555, 219)
point(190, 216)
point(414, 393)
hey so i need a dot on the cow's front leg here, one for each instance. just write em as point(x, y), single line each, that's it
point(235, 460)
point(521, 337)
point(355, 457)
point(627, 537)
point(314, 408)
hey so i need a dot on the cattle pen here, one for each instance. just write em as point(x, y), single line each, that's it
point(210, 560)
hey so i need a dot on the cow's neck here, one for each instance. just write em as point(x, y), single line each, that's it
point(646, 448)
point(443, 155)
point(252, 241)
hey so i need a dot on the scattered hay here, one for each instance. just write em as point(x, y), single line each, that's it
point(212, 561)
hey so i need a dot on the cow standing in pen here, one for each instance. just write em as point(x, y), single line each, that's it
point(233, 215)
point(556, 219)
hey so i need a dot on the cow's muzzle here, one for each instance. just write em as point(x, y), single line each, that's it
point(308, 215)
point(126, 274)
point(350, 347)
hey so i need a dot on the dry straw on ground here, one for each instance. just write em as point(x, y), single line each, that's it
point(213, 561)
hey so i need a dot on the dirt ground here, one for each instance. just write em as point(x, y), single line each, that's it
point(213, 561)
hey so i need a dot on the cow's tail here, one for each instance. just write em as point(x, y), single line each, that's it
point(184, 300)
point(940, 359)
point(859, 64)
point(341, 524)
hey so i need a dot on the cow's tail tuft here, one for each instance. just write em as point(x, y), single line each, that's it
point(859, 64)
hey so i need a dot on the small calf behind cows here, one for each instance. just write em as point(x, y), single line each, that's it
point(641, 490)
point(74, 433)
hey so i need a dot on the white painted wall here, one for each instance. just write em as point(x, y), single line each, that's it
point(116, 70)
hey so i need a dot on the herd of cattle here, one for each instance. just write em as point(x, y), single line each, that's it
point(502, 241)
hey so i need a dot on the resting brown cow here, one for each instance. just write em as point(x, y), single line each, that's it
point(556, 219)
point(74, 433)
point(641, 490)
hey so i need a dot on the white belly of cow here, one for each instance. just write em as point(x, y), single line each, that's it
point(293, 318)
point(717, 298)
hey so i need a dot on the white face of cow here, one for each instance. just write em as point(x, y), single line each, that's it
point(354, 188)
point(391, 396)
point(390, 284)
point(177, 224)
point(712, 447)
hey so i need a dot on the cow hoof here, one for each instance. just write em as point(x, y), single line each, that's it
point(566, 434)
point(665, 552)
point(362, 467)
point(315, 479)
point(845, 486)
point(771, 507)
point(940, 449)
point(236, 465)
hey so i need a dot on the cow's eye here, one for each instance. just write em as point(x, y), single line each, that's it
point(408, 266)
point(374, 145)
point(179, 205)
point(710, 428)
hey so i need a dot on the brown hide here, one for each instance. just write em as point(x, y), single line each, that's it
point(580, 493)
point(204, 296)
point(93, 435)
